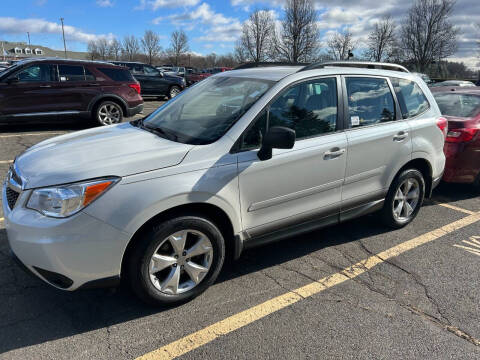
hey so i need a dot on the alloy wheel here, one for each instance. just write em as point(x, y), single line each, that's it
point(406, 199)
point(109, 114)
point(174, 91)
point(180, 262)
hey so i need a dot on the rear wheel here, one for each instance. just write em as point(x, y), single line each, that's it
point(108, 113)
point(404, 199)
point(176, 260)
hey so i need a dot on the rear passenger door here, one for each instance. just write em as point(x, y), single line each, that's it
point(379, 140)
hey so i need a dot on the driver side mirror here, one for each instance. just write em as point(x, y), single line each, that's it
point(277, 137)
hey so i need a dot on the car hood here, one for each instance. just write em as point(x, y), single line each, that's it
point(118, 150)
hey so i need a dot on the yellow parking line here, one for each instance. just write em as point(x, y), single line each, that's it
point(456, 208)
point(33, 134)
point(6, 161)
point(239, 320)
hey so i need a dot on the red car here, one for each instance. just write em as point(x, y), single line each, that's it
point(461, 107)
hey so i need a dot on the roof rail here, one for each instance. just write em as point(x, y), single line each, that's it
point(250, 65)
point(356, 64)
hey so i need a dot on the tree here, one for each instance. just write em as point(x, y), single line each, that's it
point(340, 45)
point(382, 44)
point(257, 36)
point(151, 45)
point(298, 39)
point(103, 48)
point(92, 50)
point(178, 45)
point(115, 49)
point(427, 35)
point(131, 47)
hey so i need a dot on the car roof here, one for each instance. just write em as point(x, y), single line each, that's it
point(277, 73)
point(69, 61)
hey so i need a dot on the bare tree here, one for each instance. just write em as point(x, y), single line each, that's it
point(103, 48)
point(382, 44)
point(131, 47)
point(178, 45)
point(298, 39)
point(427, 34)
point(240, 53)
point(257, 36)
point(92, 50)
point(115, 49)
point(151, 45)
point(340, 45)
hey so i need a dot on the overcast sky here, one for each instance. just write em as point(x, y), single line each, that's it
point(211, 25)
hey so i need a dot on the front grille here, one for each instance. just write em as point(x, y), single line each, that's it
point(12, 197)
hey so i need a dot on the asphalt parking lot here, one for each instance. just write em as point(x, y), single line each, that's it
point(354, 291)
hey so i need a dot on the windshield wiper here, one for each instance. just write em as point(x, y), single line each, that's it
point(160, 132)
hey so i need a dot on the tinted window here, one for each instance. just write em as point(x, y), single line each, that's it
point(149, 70)
point(117, 74)
point(309, 108)
point(410, 97)
point(462, 105)
point(38, 72)
point(369, 101)
point(89, 76)
point(71, 73)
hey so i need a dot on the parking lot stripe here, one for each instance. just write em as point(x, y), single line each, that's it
point(239, 320)
point(1, 219)
point(456, 208)
point(6, 161)
point(34, 134)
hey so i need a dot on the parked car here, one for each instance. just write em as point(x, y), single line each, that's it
point(154, 83)
point(193, 76)
point(241, 159)
point(461, 107)
point(424, 77)
point(460, 83)
point(217, 70)
point(54, 88)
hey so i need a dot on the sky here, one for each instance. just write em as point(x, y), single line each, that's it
point(211, 25)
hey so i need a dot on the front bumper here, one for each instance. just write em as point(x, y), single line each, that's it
point(134, 110)
point(66, 253)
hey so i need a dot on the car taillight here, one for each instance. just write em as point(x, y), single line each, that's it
point(442, 124)
point(135, 87)
point(461, 135)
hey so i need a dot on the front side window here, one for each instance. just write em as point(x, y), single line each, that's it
point(410, 97)
point(370, 101)
point(37, 73)
point(150, 70)
point(462, 105)
point(205, 112)
point(71, 73)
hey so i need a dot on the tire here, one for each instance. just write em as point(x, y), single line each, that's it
point(108, 113)
point(167, 280)
point(174, 91)
point(393, 213)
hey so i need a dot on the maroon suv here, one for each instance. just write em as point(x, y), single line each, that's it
point(54, 88)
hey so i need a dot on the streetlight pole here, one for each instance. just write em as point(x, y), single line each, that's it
point(64, 44)
point(28, 34)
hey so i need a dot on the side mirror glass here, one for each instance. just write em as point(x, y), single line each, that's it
point(277, 137)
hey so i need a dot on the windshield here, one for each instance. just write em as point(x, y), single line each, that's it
point(461, 105)
point(205, 112)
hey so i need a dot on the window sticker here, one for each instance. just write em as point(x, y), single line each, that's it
point(355, 120)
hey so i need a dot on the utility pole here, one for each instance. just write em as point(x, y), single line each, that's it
point(64, 44)
point(28, 34)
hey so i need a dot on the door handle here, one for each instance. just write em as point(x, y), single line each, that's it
point(45, 86)
point(402, 135)
point(333, 153)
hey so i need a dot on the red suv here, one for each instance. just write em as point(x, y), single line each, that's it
point(55, 88)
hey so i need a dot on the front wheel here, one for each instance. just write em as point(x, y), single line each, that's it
point(404, 199)
point(174, 91)
point(176, 260)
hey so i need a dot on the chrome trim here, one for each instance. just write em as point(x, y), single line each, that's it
point(46, 113)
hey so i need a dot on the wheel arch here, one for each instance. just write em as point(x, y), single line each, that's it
point(108, 97)
point(424, 166)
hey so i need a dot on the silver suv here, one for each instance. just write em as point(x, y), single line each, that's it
point(242, 158)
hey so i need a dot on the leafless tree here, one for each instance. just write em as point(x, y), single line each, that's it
point(257, 36)
point(151, 45)
point(382, 41)
point(115, 49)
point(240, 53)
point(298, 38)
point(131, 47)
point(178, 45)
point(92, 50)
point(103, 48)
point(427, 34)
point(340, 45)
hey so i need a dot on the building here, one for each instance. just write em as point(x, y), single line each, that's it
point(20, 50)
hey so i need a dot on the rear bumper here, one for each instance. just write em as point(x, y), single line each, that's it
point(134, 110)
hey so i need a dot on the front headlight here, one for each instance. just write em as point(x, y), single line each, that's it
point(65, 200)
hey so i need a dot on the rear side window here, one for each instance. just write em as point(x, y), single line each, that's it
point(370, 101)
point(410, 97)
point(71, 73)
point(462, 105)
point(117, 74)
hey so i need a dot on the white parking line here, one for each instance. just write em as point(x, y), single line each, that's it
point(34, 134)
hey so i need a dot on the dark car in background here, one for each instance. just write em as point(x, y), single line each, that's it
point(461, 107)
point(52, 89)
point(154, 82)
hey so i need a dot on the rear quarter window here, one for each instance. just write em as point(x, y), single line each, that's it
point(117, 74)
point(411, 98)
